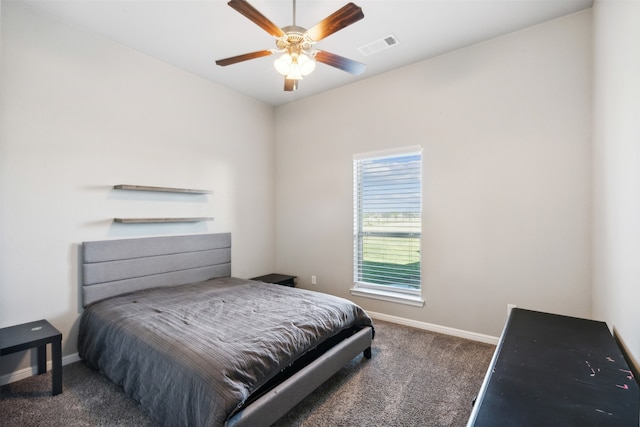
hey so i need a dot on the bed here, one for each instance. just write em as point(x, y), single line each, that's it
point(165, 320)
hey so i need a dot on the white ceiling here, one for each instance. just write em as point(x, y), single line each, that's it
point(192, 34)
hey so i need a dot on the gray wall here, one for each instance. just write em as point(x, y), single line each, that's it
point(616, 136)
point(79, 114)
point(505, 128)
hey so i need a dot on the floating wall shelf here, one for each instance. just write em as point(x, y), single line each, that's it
point(161, 189)
point(150, 220)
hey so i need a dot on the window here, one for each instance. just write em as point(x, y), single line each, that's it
point(387, 225)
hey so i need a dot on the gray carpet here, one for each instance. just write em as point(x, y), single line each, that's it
point(415, 378)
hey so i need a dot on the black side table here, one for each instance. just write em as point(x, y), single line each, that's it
point(278, 279)
point(36, 335)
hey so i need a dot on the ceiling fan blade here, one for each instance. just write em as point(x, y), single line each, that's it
point(258, 18)
point(345, 64)
point(290, 85)
point(245, 57)
point(339, 19)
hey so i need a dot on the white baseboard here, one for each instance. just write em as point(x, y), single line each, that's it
point(33, 370)
point(436, 328)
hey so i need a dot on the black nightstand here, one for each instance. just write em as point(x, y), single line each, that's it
point(278, 279)
point(36, 335)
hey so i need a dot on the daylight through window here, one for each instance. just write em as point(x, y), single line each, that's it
point(387, 221)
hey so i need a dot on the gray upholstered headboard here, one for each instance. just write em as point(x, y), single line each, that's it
point(114, 267)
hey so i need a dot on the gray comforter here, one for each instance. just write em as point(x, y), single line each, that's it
point(193, 354)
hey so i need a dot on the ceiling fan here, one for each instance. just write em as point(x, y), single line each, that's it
point(295, 43)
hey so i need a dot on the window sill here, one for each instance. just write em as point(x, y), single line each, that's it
point(389, 296)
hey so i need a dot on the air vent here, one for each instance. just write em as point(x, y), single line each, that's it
point(378, 45)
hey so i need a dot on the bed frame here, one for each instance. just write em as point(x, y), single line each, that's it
point(114, 267)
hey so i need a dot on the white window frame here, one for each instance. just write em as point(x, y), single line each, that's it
point(400, 295)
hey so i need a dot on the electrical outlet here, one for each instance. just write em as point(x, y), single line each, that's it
point(313, 280)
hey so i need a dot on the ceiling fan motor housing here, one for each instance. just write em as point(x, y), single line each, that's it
point(294, 36)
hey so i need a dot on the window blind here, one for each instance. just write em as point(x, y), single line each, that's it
point(387, 220)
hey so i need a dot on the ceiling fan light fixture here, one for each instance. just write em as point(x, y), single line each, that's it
point(295, 73)
point(283, 64)
point(294, 67)
point(306, 65)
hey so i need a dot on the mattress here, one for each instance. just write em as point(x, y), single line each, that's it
point(195, 354)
